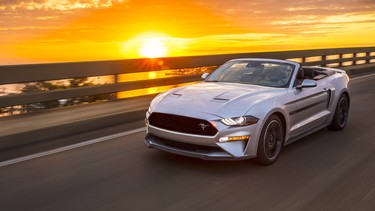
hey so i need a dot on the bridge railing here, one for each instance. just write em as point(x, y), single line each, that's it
point(20, 74)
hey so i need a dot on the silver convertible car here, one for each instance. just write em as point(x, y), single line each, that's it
point(248, 108)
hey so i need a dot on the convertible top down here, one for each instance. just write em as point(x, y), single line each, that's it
point(248, 108)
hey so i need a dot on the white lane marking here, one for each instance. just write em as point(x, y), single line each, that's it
point(70, 147)
point(364, 76)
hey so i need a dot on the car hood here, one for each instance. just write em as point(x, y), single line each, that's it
point(218, 99)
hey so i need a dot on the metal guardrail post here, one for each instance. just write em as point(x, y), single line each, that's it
point(354, 57)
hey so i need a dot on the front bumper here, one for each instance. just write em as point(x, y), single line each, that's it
point(206, 147)
point(215, 153)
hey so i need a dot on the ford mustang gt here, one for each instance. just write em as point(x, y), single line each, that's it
point(248, 108)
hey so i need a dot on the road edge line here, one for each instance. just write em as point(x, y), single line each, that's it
point(69, 147)
point(362, 76)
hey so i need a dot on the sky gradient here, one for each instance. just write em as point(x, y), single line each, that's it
point(38, 31)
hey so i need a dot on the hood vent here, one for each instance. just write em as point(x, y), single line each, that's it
point(176, 95)
point(220, 99)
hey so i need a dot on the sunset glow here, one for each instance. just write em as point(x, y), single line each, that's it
point(153, 48)
point(78, 30)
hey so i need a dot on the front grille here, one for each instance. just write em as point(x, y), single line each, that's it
point(186, 146)
point(182, 124)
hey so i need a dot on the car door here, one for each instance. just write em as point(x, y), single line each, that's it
point(310, 107)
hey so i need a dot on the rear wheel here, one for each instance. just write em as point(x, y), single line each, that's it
point(271, 140)
point(340, 117)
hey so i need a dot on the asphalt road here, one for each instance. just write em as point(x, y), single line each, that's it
point(324, 171)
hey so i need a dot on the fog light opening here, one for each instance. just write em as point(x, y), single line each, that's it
point(234, 138)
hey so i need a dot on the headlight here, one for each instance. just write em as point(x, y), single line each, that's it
point(240, 121)
point(149, 110)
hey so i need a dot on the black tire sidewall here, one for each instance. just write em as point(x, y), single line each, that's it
point(261, 153)
point(335, 125)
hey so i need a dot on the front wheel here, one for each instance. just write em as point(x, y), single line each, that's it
point(271, 140)
point(341, 114)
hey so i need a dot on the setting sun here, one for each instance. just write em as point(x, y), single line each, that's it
point(150, 45)
point(153, 48)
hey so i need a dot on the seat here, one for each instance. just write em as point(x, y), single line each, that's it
point(276, 75)
point(300, 74)
point(309, 73)
point(257, 74)
point(300, 77)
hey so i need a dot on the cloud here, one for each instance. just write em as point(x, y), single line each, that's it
point(62, 5)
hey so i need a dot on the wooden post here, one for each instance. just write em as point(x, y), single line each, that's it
point(367, 59)
point(340, 57)
point(324, 58)
point(116, 81)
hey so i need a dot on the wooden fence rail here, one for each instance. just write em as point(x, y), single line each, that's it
point(14, 74)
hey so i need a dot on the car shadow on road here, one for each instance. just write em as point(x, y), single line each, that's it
point(323, 146)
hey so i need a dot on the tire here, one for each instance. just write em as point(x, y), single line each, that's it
point(271, 140)
point(340, 117)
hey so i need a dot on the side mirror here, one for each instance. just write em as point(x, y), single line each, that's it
point(204, 76)
point(307, 83)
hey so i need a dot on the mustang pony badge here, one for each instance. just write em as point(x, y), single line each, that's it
point(203, 126)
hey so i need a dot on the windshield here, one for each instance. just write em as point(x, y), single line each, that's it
point(263, 73)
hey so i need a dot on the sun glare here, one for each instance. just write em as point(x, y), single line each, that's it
point(149, 45)
point(153, 48)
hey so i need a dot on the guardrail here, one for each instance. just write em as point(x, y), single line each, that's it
point(16, 74)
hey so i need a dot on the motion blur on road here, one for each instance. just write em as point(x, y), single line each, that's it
point(325, 171)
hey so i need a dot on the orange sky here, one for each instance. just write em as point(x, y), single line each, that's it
point(38, 31)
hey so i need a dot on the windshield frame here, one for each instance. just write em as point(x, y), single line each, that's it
point(270, 61)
